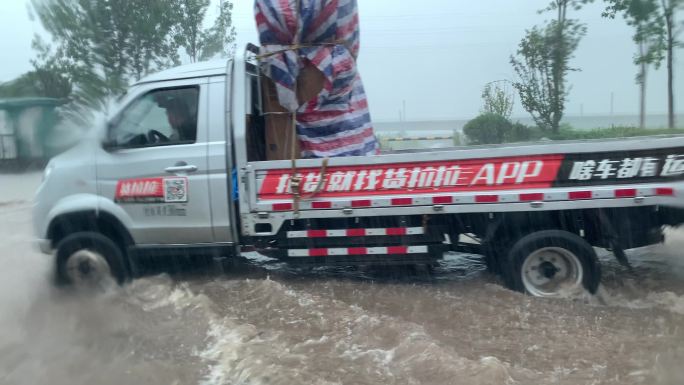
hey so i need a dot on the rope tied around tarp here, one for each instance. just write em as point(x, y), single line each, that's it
point(296, 179)
point(298, 46)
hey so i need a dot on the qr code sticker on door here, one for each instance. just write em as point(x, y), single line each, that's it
point(175, 190)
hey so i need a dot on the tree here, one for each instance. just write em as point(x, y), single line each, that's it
point(105, 44)
point(203, 44)
point(649, 35)
point(492, 128)
point(670, 8)
point(498, 99)
point(37, 83)
point(488, 128)
point(191, 32)
point(152, 44)
point(542, 66)
point(46, 79)
point(543, 62)
point(220, 38)
point(50, 78)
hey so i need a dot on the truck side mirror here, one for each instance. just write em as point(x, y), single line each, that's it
point(109, 145)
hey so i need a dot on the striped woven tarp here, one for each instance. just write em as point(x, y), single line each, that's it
point(326, 33)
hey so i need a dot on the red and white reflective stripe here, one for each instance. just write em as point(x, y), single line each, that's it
point(345, 251)
point(391, 231)
point(552, 195)
point(665, 191)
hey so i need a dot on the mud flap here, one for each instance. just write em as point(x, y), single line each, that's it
point(614, 241)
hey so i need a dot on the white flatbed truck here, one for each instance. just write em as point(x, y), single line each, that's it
point(537, 210)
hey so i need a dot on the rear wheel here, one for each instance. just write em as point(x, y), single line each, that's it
point(88, 259)
point(552, 263)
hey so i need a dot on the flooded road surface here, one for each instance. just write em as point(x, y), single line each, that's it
point(271, 324)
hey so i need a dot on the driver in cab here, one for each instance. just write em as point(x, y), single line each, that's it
point(184, 128)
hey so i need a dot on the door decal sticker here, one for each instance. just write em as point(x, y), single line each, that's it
point(152, 190)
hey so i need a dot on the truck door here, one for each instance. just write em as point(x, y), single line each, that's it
point(153, 163)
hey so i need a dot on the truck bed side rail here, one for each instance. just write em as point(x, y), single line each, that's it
point(458, 184)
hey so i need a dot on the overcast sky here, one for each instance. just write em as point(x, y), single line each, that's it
point(438, 54)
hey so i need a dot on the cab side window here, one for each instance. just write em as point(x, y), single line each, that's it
point(159, 118)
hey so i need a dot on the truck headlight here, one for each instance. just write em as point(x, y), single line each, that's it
point(48, 171)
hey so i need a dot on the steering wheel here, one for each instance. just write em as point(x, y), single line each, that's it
point(155, 136)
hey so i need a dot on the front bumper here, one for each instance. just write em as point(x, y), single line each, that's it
point(44, 245)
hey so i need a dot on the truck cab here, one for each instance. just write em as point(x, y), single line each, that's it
point(141, 182)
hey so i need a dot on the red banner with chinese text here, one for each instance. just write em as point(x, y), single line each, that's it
point(419, 178)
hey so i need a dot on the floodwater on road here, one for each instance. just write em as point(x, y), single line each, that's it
point(270, 324)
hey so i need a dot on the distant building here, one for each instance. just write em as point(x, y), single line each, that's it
point(25, 125)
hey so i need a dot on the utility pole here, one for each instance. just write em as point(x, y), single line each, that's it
point(403, 108)
point(612, 103)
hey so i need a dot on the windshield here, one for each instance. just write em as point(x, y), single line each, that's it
point(162, 116)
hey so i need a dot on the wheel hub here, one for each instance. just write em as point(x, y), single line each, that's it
point(548, 270)
point(86, 267)
point(552, 271)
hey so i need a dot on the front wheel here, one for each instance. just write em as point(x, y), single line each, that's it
point(552, 263)
point(87, 259)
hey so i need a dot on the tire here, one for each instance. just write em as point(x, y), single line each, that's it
point(89, 258)
point(552, 263)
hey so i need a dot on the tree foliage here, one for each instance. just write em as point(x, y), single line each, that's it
point(649, 30)
point(670, 9)
point(46, 79)
point(656, 35)
point(204, 43)
point(492, 128)
point(220, 38)
point(498, 99)
point(542, 64)
point(102, 45)
point(488, 128)
point(40, 82)
point(649, 35)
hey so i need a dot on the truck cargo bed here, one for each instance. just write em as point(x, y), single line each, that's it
point(522, 177)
